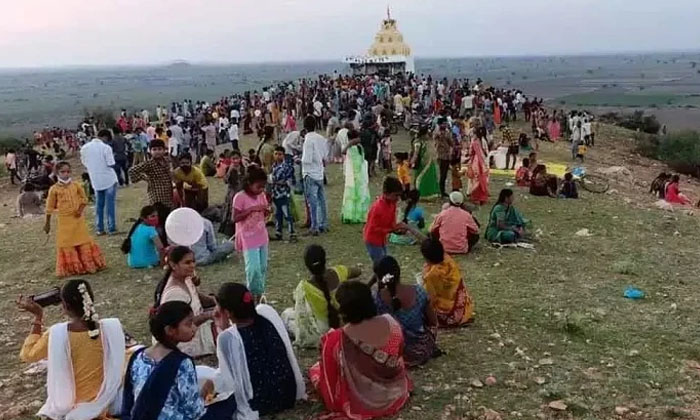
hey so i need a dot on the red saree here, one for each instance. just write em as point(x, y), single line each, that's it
point(358, 381)
point(478, 173)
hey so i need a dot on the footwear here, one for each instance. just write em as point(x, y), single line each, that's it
point(100, 234)
point(276, 238)
point(325, 230)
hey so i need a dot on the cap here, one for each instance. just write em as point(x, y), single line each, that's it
point(456, 198)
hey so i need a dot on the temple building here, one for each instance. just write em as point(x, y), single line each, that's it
point(387, 55)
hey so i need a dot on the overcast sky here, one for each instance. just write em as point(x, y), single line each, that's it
point(98, 32)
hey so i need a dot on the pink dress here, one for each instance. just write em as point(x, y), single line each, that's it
point(290, 124)
point(554, 129)
point(673, 194)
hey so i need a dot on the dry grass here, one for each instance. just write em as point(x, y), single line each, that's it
point(554, 316)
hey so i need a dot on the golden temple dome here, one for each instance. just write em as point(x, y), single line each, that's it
point(389, 41)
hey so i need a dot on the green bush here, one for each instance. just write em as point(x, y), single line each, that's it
point(647, 145)
point(8, 143)
point(681, 151)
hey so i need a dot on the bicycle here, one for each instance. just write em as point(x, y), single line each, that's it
point(597, 184)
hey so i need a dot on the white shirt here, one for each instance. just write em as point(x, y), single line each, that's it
point(233, 132)
point(318, 108)
point(177, 132)
point(174, 146)
point(314, 150)
point(342, 138)
point(235, 115)
point(223, 123)
point(293, 143)
point(98, 158)
point(266, 96)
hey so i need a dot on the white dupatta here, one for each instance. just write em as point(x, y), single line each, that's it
point(60, 384)
point(233, 376)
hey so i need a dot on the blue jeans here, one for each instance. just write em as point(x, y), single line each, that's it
point(106, 197)
point(282, 213)
point(376, 253)
point(316, 197)
point(256, 269)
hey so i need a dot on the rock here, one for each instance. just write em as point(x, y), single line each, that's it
point(490, 381)
point(540, 380)
point(477, 383)
point(615, 170)
point(546, 361)
point(621, 411)
point(584, 233)
point(490, 414)
point(558, 405)
point(612, 191)
point(664, 205)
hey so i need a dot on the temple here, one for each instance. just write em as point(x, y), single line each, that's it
point(387, 55)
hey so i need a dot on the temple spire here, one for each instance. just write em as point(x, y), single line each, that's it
point(388, 12)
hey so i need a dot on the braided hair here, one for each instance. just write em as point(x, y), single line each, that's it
point(174, 256)
point(315, 260)
point(145, 212)
point(77, 295)
point(388, 273)
point(169, 314)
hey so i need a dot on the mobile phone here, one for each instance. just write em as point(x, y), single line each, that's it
point(49, 298)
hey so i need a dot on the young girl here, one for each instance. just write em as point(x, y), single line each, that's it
point(223, 164)
point(410, 306)
point(403, 170)
point(85, 355)
point(76, 251)
point(255, 355)
point(250, 210)
point(386, 147)
point(142, 245)
point(161, 381)
point(522, 175)
point(180, 284)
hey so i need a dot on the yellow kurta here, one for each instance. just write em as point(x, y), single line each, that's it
point(64, 201)
point(86, 356)
point(195, 178)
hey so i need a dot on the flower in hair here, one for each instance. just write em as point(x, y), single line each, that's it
point(247, 297)
point(89, 313)
point(387, 279)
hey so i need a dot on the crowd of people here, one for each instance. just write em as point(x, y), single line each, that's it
point(369, 333)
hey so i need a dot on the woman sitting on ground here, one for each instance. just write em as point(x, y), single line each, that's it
point(443, 281)
point(543, 184)
point(142, 245)
point(180, 284)
point(161, 381)
point(315, 308)
point(85, 356)
point(506, 224)
point(256, 360)
point(522, 175)
point(673, 193)
point(361, 373)
point(411, 306)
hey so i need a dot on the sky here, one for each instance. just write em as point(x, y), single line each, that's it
point(49, 33)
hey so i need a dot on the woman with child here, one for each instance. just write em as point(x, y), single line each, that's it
point(85, 356)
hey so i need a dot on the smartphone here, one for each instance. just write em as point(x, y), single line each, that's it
point(49, 298)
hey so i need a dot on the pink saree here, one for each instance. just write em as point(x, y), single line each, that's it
point(478, 173)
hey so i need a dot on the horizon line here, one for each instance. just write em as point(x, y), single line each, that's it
point(339, 60)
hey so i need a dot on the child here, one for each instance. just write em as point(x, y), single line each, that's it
point(522, 175)
point(381, 220)
point(386, 147)
point(281, 178)
point(250, 210)
point(581, 151)
point(568, 187)
point(532, 158)
point(252, 159)
point(87, 186)
point(142, 245)
point(29, 203)
point(413, 215)
point(223, 163)
point(403, 171)
point(76, 251)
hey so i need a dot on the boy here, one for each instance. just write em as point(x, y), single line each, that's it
point(381, 220)
point(568, 187)
point(403, 171)
point(252, 159)
point(207, 164)
point(281, 180)
point(581, 151)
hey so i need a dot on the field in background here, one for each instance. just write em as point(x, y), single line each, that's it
point(550, 324)
point(32, 99)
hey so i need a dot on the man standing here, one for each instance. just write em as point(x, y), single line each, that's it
point(209, 135)
point(177, 132)
point(98, 158)
point(444, 145)
point(314, 151)
point(118, 144)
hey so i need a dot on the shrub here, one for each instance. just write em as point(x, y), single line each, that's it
point(647, 145)
point(103, 117)
point(8, 143)
point(681, 151)
point(637, 121)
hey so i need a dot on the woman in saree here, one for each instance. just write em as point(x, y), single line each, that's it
point(361, 374)
point(356, 198)
point(554, 128)
point(443, 281)
point(477, 169)
point(410, 305)
point(506, 224)
point(496, 112)
point(234, 182)
point(315, 307)
point(542, 184)
point(85, 356)
point(424, 162)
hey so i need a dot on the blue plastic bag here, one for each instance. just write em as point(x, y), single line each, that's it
point(633, 293)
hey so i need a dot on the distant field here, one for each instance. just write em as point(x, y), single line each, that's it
point(604, 97)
